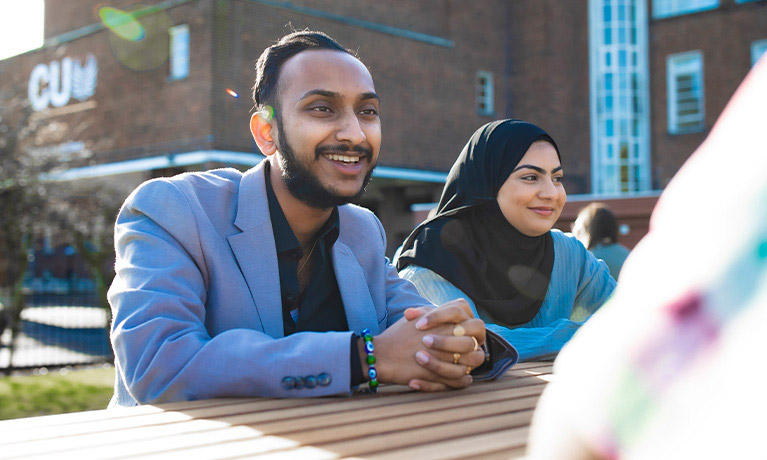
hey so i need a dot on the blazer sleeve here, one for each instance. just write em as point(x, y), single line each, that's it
point(163, 351)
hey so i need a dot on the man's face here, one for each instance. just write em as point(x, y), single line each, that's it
point(328, 130)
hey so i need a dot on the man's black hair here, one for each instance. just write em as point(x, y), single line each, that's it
point(271, 60)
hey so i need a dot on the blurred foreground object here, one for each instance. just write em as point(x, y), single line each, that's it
point(683, 373)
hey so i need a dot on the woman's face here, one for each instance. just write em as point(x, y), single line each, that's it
point(533, 196)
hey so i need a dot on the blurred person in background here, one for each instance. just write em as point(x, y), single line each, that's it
point(491, 242)
point(673, 367)
point(597, 228)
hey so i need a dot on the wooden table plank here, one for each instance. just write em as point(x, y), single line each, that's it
point(396, 421)
point(503, 441)
point(334, 425)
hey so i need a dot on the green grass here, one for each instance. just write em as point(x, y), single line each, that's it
point(56, 392)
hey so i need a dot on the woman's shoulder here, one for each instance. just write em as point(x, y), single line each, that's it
point(431, 285)
point(566, 242)
point(415, 273)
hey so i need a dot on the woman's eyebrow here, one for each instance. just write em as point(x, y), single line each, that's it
point(536, 168)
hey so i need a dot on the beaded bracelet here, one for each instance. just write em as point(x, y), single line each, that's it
point(371, 360)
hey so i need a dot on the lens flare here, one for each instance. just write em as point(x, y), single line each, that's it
point(232, 93)
point(268, 112)
point(121, 23)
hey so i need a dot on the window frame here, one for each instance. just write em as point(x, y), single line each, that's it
point(758, 49)
point(489, 93)
point(179, 63)
point(673, 8)
point(681, 63)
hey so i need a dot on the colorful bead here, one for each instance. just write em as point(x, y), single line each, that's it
point(370, 359)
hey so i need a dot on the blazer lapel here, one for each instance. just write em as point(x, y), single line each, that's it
point(358, 305)
point(255, 251)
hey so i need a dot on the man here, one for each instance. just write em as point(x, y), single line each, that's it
point(257, 284)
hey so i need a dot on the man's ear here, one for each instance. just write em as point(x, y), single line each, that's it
point(262, 134)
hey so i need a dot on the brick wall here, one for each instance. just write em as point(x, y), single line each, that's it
point(549, 78)
point(134, 113)
point(724, 37)
point(427, 91)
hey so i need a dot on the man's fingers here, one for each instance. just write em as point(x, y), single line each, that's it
point(426, 386)
point(447, 371)
point(472, 359)
point(460, 303)
point(442, 315)
point(443, 338)
point(413, 313)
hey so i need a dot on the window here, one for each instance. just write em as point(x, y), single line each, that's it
point(619, 96)
point(484, 93)
point(684, 73)
point(179, 52)
point(758, 48)
point(666, 8)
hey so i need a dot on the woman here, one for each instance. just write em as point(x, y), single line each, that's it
point(491, 242)
point(597, 228)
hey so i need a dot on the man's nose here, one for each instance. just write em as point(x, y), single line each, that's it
point(350, 130)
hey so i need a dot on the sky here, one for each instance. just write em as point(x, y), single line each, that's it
point(21, 26)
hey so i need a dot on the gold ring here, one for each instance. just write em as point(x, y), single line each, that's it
point(456, 358)
point(458, 330)
point(476, 344)
point(468, 370)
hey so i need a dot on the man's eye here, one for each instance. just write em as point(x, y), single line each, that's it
point(369, 112)
point(320, 108)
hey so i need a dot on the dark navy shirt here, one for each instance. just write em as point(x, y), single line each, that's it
point(319, 307)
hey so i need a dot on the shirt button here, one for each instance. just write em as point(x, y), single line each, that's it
point(290, 297)
point(288, 383)
point(310, 381)
point(324, 379)
point(299, 383)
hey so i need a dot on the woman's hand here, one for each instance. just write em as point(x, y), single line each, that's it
point(453, 341)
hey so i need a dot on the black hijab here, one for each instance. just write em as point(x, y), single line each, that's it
point(470, 243)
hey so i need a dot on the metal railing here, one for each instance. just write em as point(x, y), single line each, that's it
point(56, 329)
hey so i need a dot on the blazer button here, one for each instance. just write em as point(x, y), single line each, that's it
point(324, 379)
point(310, 381)
point(299, 383)
point(288, 383)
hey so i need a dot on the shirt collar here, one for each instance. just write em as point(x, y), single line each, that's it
point(284, 238)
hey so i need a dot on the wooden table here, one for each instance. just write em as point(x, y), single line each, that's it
point(488, 420)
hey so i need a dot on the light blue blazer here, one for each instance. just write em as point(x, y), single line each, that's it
point(196, 303)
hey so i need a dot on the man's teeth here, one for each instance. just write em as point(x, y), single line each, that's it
point(344, 158)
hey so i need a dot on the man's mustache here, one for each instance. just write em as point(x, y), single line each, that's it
point(342, 149)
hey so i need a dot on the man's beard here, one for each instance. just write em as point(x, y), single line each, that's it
point(304, 185)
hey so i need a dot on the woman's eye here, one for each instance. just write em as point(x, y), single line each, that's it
point(559, 179)
point(530, 178)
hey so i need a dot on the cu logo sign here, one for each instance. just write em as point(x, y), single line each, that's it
point(58, 82)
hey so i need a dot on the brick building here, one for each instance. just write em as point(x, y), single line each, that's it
point(628, 88)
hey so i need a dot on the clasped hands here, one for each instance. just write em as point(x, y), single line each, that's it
point(431, 349)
